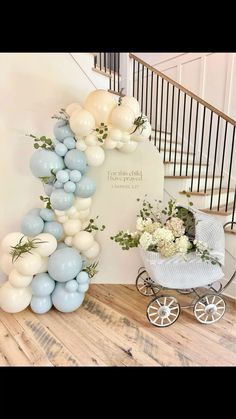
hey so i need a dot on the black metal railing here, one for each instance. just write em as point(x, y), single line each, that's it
point(231, 225)
point(109, 63)
point(196, 139)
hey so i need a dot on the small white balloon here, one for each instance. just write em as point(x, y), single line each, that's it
point(85, 224)
point(122, 117)
point(59, 213)
point(62, 219)
point(125, 137)
point(71, 227)
point(69, 241)
point(19, 281)
point(6, 263)
point(82, 122)
point(93, 251)
point(83, 240)
point(109, 144)
point(12, 239)
point(95, 156)
point(129, 147)
point(13, 300)
point(83, 215)
point(44, 265)
point(71, 211)
point(115, 134)
point(142, 133)
point(47, 246)
point(132, 103)
point(80, 145)
point(91, 139)
point(119, 144)
point(73, 107)
point(28, 264)
point(82, 203)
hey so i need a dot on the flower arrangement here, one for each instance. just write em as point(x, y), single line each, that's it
point(169, 231)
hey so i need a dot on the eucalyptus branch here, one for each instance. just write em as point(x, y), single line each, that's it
point(93, 226)
point(47, 201)
point(91, 269)
point(102, 132)
point(42, 142)
point(49, 179)
point(26, 247)
point(63, 115)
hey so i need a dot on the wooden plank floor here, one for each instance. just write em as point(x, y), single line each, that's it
point(111, 328)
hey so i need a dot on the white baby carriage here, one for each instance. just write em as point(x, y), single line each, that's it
point(186, 276)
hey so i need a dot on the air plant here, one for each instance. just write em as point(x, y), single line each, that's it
point(24, 247)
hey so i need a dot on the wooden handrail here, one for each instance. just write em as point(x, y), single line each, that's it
point(183, 89)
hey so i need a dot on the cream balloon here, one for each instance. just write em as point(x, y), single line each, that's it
point(91, 139)
point(100, 103)
point(125, 137)
point(95, 156)
point(93, 251)
point(83, 240)
point(47, 246)
point(129, 147)
point(59, 213)
point(72, 210)
point(82, 122)
point(71, 227)
point(12, 239)
point(44, 265)
point(75, 216)
point(19, 281)
point(6, 263)
point(109, 144)
point(142, 133)
point(69, 241)
point(85, 224)
point(122, 117)
point(80, 145)
point(119, 144)
point(132, 103)
point(28, 263)
point(115, 134)
point(82, 203)
point(83, 215)
point(72, 108)
point(62, 219)
point(13, 300)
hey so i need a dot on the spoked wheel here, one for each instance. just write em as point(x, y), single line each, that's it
point(163, 311)
point(185, 291)
point(209, 309)
point(141, 269)
point(145, 284)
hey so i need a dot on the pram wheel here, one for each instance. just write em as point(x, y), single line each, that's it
point(209, 308)
point(185, 291)
point(144, 284)
point(163, 311)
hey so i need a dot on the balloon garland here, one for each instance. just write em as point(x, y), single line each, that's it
point(52, 259)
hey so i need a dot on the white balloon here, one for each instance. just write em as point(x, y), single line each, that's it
point(82, 122)
point(132, 103)
point(73, 107)
point(19, 281)
point(115, 134)
point(100, 103)
point(85, 225)
point(62, 219)
point(93, 251)
point(48, 245)
point(95, 156)
point(125, 137)
point(71, 227)
point(13, 300)
point(91, 139)
point(109, 144)
point(28, 264)
point(6, 263)
point(83, 240)
point(69, 241)
point(72, 210)
point(122, 117)
point(12, 239)
point(44, 265)
point(82, 203)
point(84, 214)
point(142, 133)
point(59, 212)
point(75, 216)
point(119, 144)
point(80, 145)
point(129, 147)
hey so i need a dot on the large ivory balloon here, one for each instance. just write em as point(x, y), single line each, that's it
point(47, 246)
point(82, 203)
point(43, 162)
point(28, 264)
point(93, 251)
point(142, 133)
point(83, 240)
point(122, 117)
point(82, 122)
point(13, 300)
point(44, 265)
point(19, 281)
point(91, 139)
point(71, 227)
point(6, 263)
point(12, 239)
point(132, 103)
point(129, 147)
point(72, 108)
point(95, 156)
point(100, 103)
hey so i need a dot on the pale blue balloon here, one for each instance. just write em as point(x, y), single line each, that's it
point(71, 286)
point(61, 200)
point(34, 211)
point(54, 228)
point(61, 245)
point(64, 264)
point(42, 285)
point(84, 261)
point(69, 186)
point(47, 214)
point(48, 188)
point(86, 187)
point(82, 277)
point(32, 225)
point(75, 176)
point(58, 185)
point(75, 159)
point(55, 141)
point(62, 176)
point(43, 161)
point(69, 143)
point(61, 149)
point(62, 130)
point(41, 305)
point(83, 287)
point(65, 301)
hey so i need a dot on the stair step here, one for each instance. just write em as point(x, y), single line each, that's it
point(228, 229)
point(208, 192)
point(115, 93)
point(189, 177)
point(221, 210)
point(103, 72)
point(173, 151)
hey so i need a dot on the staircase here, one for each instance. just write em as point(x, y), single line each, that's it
point(196, 140)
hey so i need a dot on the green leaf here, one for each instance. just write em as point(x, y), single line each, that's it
point(36, 146)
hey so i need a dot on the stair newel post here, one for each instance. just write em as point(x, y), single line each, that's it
point(222, 164)
point(127, 75)
point(230, 169)
point(208, 152)
point(215, 158)
point(201, 149)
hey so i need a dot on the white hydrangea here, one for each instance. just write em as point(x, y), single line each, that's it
point(141, 223)
point(146, 240)
point(182, 244)
point(200, 245)
point(162, 234)
point(176, 225)
point(152, 227)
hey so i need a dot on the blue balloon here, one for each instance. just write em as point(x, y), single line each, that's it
point(64, 264)
point(54, 228)
point(61, 200)
point(32, 225)
point(75, 176)
point(83, 287)
point(75, 159)
point(41, 305)
point(86, 187)
point(69, 186)
point(65, 301)
point(62, 130)
point(61, 149)
point(48, 188)
point(71, 286)
point(47, 214)
point(82, 277)
point(42, 285)
point(62, 176)
point(69, 143)
point(61, 245)
point(34, 211)
point(58, 185)
point(43, 161)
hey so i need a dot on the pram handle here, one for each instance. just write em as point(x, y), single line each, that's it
point(229, 282)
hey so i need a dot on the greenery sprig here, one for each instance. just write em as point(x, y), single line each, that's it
point(126, 240)
point(121, 96)
point(63, 115)
point(93, 226)
point(49, 179)
point(102, 132)
point(42, 142)
point(21, 248)
point(91, 269)
point(140, 122)
point(47, 201)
